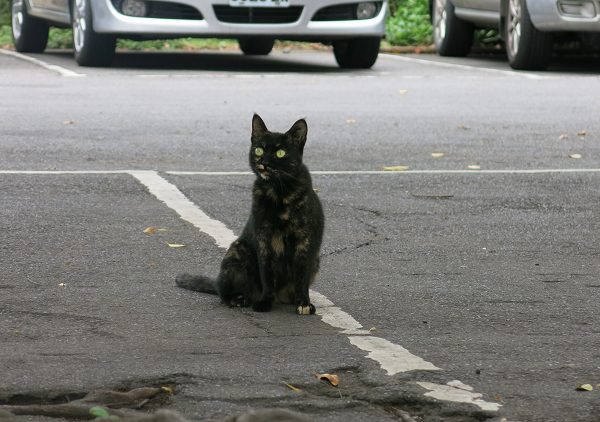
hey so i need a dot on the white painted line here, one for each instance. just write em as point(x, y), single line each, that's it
point(392, 357)
point(455, 394)
point(65, 172)
point(466, 67)
point(176, 200)
point(335, 317)
point(63, 72)
point(514, 171)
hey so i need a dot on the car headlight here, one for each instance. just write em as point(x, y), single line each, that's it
point(137, 8)
point(366, 10)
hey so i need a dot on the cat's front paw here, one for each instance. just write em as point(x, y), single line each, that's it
point(239, 302)
point(262, 306)
point(305, 310)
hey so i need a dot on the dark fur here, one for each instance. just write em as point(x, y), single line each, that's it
point(277, 256)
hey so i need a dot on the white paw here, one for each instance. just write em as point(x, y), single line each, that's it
point(303, 310)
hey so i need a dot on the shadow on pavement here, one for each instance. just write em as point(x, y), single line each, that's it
point(229, 61)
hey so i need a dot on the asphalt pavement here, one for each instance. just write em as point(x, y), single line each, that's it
point(478, 262)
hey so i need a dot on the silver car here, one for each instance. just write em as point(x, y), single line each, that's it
point(529, 27)
point(353, 28)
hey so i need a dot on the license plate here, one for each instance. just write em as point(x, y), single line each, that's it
point(259, 3)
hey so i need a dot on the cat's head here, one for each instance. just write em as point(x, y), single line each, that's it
point(277, 155)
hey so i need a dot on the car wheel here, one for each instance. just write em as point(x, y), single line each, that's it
point(29, 34)
point(452, 36)
point(256, 46)
point(90, 48)
point(359, 53)
point(526, 47)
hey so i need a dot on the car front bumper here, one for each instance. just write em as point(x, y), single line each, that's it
point(107, 19)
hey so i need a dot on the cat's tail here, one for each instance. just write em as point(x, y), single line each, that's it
point(197, 283)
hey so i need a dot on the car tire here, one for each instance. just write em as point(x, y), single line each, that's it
point(452, 36)
point(29, 34)
point(359, 53)
point(526, 47)
point(90, 48)
point(256, 46)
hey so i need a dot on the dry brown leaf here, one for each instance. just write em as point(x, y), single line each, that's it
point(292, 387)
point(497, 399)
point(584, 387)
point(574, 155)
point(174, 245)
point(149, 230)
point(393, 168)
point(333, 379)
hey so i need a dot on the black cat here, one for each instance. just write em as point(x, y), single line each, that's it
point(277, 256)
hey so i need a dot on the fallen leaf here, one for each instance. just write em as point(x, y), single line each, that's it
point(350, 121)
point(333, 379)
point(62, 285)
point(17, 331)
point(464, 127)
point(574, 155)
point(149, 230)
point(372, 328)
point(403, 91)
point(162, 230)
point(437, 154)
point(497, 399)
point(563, 136)
point(292, 387)
point(174, 245)
point(395, 168)
point(167, 389)
point(474, 167)
point(584, 387)
point(69, 122)
point(152, 264)
point(582, 133)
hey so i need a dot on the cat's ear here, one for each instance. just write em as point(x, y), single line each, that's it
point(297, 133)
point(259, 129)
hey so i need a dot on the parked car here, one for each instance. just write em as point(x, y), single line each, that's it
point(353, 28)
point(528, 27)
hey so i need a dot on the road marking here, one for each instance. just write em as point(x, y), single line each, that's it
point(456, 391)
point(515, 171)
point(391, 357)
point(466, 67)
point(63, 72)
point(174, 199)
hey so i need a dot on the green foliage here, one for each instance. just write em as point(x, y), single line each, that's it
point(4, 12)
point(408, 23)
point(177, 44)
point(60, 38)
point(5, 36)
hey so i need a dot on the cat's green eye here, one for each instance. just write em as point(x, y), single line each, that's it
point(280, 153)
point(259, 151)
